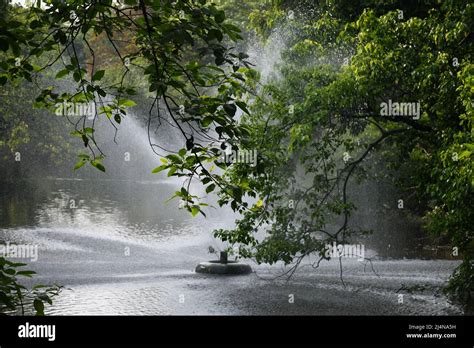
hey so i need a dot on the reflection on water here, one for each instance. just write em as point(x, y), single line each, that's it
point(131, 209)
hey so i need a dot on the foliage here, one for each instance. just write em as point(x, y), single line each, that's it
point(31, 132)
point(197, 93)
point(337, 70)
point(315, 128)
point(199, 97)
point(16, 297)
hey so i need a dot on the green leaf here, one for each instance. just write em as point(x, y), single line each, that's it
point(26, 273)
point(219, 16)
point(465, 153)
point(76, 133)
point(215, 34)
point(195, 210)
point(172, 171)
point(230, 109)
point(62, 73)
point(35, 24)
point(79, 164)
point(117, 118)
point(39, 307)
point(219, 60)
point(210, 188)
point(189, 144)
point(77, 76)
point(243, 107)
point(174, 158)
point(98, 75)
point(127, 102)
point(98, 165)
point(85, 139)
point(159, 169)
point(206, 121)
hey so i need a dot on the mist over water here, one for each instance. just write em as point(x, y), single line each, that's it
point(394, 233)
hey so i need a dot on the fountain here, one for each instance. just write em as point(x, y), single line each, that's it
point(223, 266)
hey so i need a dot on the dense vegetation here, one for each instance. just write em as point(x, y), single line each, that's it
point(322, 121)
point(317, 127)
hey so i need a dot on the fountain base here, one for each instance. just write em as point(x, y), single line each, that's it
point(218, 267)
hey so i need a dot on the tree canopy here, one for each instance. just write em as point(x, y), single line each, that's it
point(358, 81)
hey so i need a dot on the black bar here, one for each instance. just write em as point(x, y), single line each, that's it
point(212, 330)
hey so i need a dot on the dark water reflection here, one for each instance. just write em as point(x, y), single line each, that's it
point(126, 207)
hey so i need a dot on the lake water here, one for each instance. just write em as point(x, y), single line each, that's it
point(117, 248)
